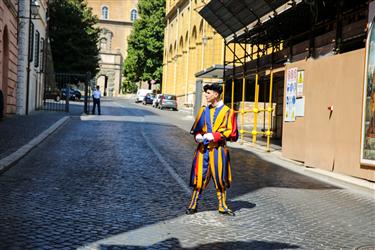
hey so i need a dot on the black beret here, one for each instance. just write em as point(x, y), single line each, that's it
point(214, 87)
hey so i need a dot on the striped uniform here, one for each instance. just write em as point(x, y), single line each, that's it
point(211, 158)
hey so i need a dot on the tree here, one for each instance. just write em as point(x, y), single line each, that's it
point(128, 86)
point(73, 36)
point(145, 44)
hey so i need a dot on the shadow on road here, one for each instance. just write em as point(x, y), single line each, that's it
point(174, 243)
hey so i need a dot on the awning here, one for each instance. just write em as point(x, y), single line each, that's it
point(215, 72)
point(232, 18)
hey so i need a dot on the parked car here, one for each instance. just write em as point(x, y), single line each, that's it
point(141, 93)
point(77, 93)
point(168, 101)
point(156, 100)
point(149, 98)
point(53, 94)
point(74, 94)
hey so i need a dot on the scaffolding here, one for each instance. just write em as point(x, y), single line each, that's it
point(250, 52)
point(261, 37)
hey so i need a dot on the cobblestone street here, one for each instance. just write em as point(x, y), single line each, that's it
point(120, 181)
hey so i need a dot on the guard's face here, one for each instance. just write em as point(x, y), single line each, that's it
point(211, 96)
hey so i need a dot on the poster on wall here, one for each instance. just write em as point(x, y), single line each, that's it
point(300, 81)
point(291, 95)
point(300, 106)
point(368, 112)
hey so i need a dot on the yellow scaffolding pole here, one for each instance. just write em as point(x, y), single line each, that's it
point(232, 97)
point(243, 109)
point(255, 109)
point(269, 110)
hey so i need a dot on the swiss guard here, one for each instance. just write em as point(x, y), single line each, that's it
point(213, 127)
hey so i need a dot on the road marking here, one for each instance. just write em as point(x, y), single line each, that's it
point(110, 118)
point(165, 164)
point(171, 171)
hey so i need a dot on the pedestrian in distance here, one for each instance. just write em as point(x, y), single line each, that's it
point(213, 127)
point(96, 95)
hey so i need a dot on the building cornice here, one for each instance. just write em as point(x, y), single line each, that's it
point(173, 11)
point(110, 53)
point(11, 7)
point(115, 22)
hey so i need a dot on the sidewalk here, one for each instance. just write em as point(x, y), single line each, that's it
point(20, 133)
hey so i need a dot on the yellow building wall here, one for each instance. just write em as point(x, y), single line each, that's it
point(190, 45)
point(119, 22)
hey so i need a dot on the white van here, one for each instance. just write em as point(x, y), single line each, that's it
point(141, 93)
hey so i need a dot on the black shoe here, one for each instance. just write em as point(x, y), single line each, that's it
point(191, 210)
point(227, 212)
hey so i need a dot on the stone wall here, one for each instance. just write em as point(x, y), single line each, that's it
point(8, 54)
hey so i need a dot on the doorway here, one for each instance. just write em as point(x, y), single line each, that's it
point(102, 82)
point(5, 71)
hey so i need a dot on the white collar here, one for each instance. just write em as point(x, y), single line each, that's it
point(219, 104)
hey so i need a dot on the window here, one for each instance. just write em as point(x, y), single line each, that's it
point(41, 55)
point(133, 15)
point(105, 12)
point(103, 44)
point(31, 42)
point(37, 38)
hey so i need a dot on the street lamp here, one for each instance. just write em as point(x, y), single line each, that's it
point(204, 40)
point(34, 8)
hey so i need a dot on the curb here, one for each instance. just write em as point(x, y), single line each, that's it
point(332, 178)
point(13, 158)
point(329, 176)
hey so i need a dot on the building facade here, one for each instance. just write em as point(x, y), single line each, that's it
point(31, 54)
point(8, 56)
point(116, 19)
point(190, 46)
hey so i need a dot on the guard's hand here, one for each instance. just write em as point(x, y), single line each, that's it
point(199, 138)
point(208, 136)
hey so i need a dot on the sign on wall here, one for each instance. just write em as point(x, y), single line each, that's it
point(300, 81)
point(291, 95)
point(368, 112)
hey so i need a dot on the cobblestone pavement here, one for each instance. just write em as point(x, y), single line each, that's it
point(119, 181)
point(17, 130)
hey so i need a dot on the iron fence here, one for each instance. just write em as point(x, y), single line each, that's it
point(63, 90)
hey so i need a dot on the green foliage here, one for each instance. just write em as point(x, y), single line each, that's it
point(129, 87)
point(145, 44)
point(74, 37)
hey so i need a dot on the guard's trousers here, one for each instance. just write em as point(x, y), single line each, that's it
point(220, 192)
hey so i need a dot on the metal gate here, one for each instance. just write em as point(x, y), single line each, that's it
point(66, 92)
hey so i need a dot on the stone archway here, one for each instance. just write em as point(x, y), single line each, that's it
point(5, 72)
point(106, 81)
point(102, 82)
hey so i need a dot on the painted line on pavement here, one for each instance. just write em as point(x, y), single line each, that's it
point(171, 171)
point(6, 162)
point(167, 166)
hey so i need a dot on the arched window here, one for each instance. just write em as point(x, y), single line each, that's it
point(105, 12)
point(133, 15)
point(103, 44)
